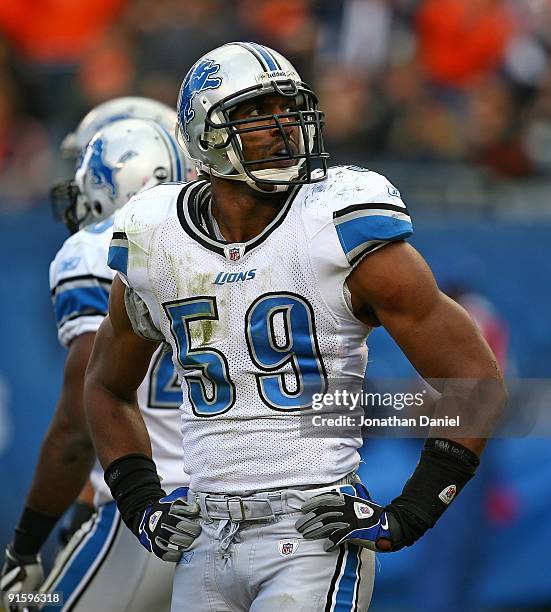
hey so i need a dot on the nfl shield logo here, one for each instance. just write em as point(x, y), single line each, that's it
point(235, 251)
point(287, 547)
point(363, 511)
point(448, 494)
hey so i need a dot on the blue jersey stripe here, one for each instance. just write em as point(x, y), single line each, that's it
point(346, 592)
point(117, 258)
point(72, 303)
point(90, 552)
point(355, 232)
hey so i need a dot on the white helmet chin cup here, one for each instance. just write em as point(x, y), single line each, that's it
point(122, 159)
point(223, 79)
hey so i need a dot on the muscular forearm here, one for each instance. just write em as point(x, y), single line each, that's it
point(475, 405)
point(66, 458)
point(116, 425)
point(117, 366)
point(448, 351)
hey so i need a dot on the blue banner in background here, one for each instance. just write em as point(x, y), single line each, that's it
point(31, 359)
point(506, 262)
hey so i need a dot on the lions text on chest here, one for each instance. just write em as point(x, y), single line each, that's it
point(234, 277)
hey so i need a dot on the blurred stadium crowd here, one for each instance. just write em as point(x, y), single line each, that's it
point(442, 81)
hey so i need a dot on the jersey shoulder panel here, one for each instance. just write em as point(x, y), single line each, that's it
point(364, 210)
point(136, 222)
point(80, 281)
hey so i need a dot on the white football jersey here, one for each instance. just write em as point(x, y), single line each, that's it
point(256, 328)
point(80, 281)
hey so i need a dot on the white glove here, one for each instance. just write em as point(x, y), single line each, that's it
point(20, 574)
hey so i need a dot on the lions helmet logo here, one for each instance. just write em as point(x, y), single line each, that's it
point(199, 78)
point(103, 175)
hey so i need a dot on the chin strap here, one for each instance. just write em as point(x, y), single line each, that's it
point(272, 174)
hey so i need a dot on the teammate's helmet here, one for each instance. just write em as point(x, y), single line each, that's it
point(121, 160)
point(128, 107)
point(62, 194)
point(228, 76)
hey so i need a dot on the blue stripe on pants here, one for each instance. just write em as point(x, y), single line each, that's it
point(83, 563)
point(347, 590)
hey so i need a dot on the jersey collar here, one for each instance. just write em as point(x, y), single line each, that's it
point(193, 209)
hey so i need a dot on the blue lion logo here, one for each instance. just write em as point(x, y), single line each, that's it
point(102, 174)
point(199, 78)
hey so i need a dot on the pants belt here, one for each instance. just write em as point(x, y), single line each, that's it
point(238, 509)
point(257, 507)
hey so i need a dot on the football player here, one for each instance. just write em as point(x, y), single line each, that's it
point(103, 567)
point(265, 277)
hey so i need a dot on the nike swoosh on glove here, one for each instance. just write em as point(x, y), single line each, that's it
point(340, 517)
point(169, 526)
point(20, 574)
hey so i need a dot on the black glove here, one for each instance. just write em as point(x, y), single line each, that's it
point(340, 516)
point(20, 574)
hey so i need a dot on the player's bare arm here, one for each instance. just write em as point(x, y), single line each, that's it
point(112, 379)
point(67, 453)
point(395, 288)
point(122, 441)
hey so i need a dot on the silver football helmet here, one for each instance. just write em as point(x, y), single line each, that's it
point(228, 76)
point(63, 193)
point(127, 107)
point(122, 159)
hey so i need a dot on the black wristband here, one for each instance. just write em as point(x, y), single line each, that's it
point(33, 530)
point(134, 484)
point(444, 468)
point(452, 449)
